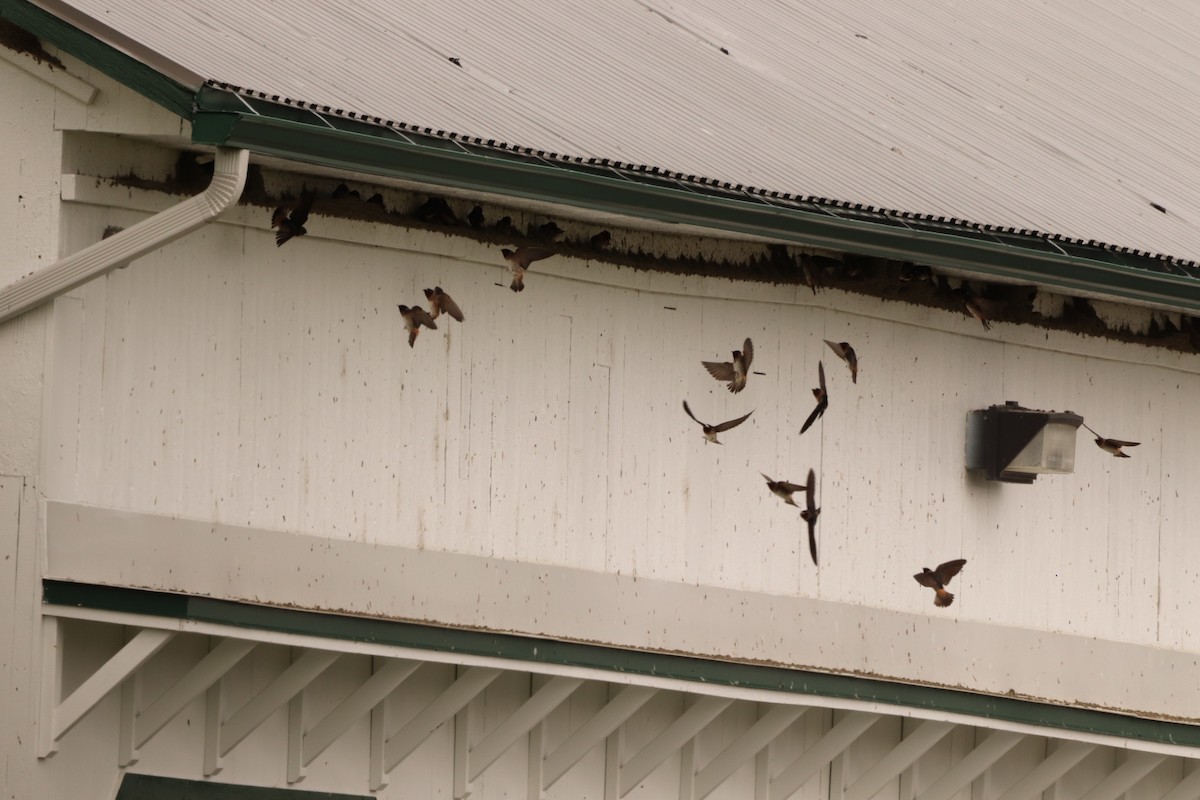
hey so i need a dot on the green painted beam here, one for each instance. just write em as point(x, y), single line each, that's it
point(95, 53)
point(154, 787)
point(381, 152)
point(530, 650)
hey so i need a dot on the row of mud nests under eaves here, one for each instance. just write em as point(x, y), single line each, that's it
point(887, 279)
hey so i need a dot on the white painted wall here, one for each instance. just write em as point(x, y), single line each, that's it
point(229, 380)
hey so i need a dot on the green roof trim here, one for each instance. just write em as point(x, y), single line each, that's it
point(306, 135)
point(112, 62)
point(543, 651)
point(154, 787)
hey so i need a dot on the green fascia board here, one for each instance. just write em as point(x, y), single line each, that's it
point(663, 665)
point(154, 787)
point(125, 69)
point(387, 154)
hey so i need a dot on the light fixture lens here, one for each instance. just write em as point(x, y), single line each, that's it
point(1051, 451)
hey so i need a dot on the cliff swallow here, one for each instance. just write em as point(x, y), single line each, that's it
point(808, 269)
point(914, 273)
point(846, 353)
point(376, 200)
point(735, 371)
point(549, 231)
point(456, 62)
point(475, 218)
point(436, 209)
point(519, 261)
point(937, 579)
point(810, 513)
point(414, 318)
point(291, 224)
point(1111, 445)
point(343, 190)
point(439, 301)
point(822, 399)
point(711, 431)
point(978, 307)
point(505, 226)
point(601, 240)
point(784, 490)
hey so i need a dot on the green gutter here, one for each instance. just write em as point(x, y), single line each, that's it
point(112, 62)
point(384, 153)
point(542, 651)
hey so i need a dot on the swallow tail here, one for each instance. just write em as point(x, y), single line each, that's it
point(943, 598)
point(812, 546)
point(412, 335)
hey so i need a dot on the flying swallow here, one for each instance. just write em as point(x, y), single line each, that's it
point(1111, 445)
point(519, 261)
point(475, 218)
point(414, 318)
point(846, 353)
point(291, 224)
point(937, 579)
point(735, 371)
point(601, 240)
point(439, 301)
point(810, 513)
point(436, 209)
point(822, 399)
point(784, 490)
point(711, 431)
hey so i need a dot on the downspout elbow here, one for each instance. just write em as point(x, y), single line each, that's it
point(229, 178)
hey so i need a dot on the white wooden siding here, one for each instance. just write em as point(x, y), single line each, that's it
point(230, 380)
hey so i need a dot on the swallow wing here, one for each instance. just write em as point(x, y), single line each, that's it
point(748, 352)
point(527, 255)
point(690, 414)
point(280, 214)
point(1119, 443)
point(948, 570)
point(812, 540)
point(816, 412)
point(837, 348)
point(821, 377)
point(733, 423)
point(448, 305)
point(790, 487)
point(926, 579)
point(421, 317)
point(809, 489)
point(300, 215)
point(721, 370)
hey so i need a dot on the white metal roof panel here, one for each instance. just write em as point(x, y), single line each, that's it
point(1068, 118)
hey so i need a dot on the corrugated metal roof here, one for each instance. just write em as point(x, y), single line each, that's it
point(1071, 119)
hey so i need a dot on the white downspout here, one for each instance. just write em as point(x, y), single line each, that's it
point(229, 176)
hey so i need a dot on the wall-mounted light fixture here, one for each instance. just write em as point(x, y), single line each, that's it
point(1015, 445)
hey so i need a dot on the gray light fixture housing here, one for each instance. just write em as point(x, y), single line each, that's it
point(1013, 444)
